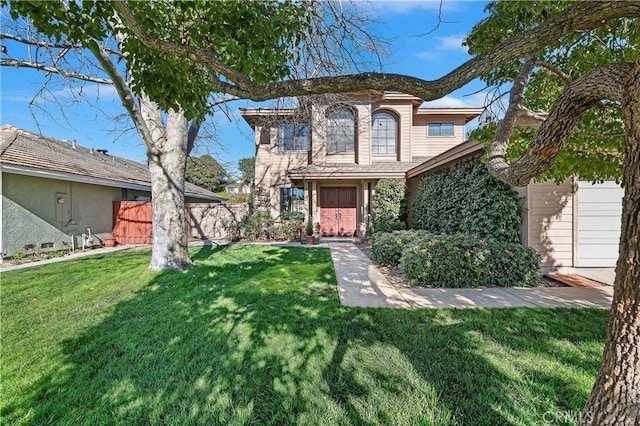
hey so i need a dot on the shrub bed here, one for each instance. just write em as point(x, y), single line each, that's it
point(458, 261)
point(467, 200)
point(386, 248)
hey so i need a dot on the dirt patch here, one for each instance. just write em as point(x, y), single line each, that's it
point(395, 277)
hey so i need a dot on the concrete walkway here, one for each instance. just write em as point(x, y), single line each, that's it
point(361, 284)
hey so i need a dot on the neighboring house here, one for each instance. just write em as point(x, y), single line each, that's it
point(574, 224)
point(237, 187)
point(328, 163)
point(54, 191)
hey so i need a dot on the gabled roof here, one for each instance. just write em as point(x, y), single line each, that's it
point(24, 152)
point(464, 150)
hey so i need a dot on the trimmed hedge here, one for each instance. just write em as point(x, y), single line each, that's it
point(468, 200)
point(389, 205)
point(459, 261)
point(387, 248)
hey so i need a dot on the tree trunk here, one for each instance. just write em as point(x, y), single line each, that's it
point(166, 165)
point(615, 398)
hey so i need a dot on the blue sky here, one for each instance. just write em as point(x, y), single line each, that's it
point(87, 115)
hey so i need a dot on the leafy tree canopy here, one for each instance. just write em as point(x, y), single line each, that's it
point(247, 169)
point(206, 172)
point(259, 49)
point(594, 151)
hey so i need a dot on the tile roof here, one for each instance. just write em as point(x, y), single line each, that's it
point(22, 148)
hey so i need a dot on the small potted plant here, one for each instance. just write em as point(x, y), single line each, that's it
point(310, 237)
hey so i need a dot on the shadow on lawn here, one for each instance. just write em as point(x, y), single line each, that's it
point(259, 341)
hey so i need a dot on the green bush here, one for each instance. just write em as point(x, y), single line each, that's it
point(389, 227)
point(389, 202)
point(257, 225)
point(286, 231)
point(386, 248)
point(260, 226)
point(470, 201)
point(465, 261)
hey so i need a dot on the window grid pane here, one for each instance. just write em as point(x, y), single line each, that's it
point(341, 131)
point(440, 129)
point(294, 137)
point(291, 200)
point(383, 133)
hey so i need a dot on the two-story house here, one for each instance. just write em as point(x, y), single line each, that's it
point(327, 161)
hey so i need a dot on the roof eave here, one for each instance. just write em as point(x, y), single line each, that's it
point(462, 150)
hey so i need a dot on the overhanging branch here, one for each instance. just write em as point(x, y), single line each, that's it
point(581, 16)
point(602, 83)
point(54, 70)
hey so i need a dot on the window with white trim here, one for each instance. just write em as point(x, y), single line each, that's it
point(440, 129)
point(294, 137)
point(384, 133)
point(341, 131)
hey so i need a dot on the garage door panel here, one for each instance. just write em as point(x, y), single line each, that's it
point(604, 208)
point(599, 213)
point(604, 223)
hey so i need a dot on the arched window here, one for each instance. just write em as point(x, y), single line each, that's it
point(341, 131)
point(384, 133)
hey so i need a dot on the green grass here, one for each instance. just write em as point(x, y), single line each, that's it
point(255, 335)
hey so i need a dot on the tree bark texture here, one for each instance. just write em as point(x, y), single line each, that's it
point(167, 161)
point(606, 82)
point(615, 398)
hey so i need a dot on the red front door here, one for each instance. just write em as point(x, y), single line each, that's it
point(338, 211)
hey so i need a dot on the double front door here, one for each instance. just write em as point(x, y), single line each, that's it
point(338, 211)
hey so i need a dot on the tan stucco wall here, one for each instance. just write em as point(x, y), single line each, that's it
point(31, 214)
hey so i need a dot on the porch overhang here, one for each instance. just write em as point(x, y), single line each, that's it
point(351, 172)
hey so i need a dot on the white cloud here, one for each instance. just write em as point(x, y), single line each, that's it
point(448, 44)
point(475, 100)
point(405, 7)
point(452, 42)
point(92, 91)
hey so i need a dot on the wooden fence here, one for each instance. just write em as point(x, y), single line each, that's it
point(132, 220)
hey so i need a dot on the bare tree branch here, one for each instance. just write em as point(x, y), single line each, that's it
point(50, 45)
point(54, 70)
point(125, 93)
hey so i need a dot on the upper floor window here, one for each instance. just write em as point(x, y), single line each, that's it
point(341, 131)
point(294, 137)
point(440, 129)
point(384, 133)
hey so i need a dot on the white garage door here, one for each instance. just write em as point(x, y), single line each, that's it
point(599, 213)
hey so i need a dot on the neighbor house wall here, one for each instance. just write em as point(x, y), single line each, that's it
point(33, 215)
point(550, 223)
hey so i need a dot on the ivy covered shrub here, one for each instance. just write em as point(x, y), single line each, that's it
point(389, 205)
point(468, 200)
point(259, 225)
point(457, 261)
point(386, 248)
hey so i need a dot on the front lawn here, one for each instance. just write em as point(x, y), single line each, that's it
point(255, 335)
